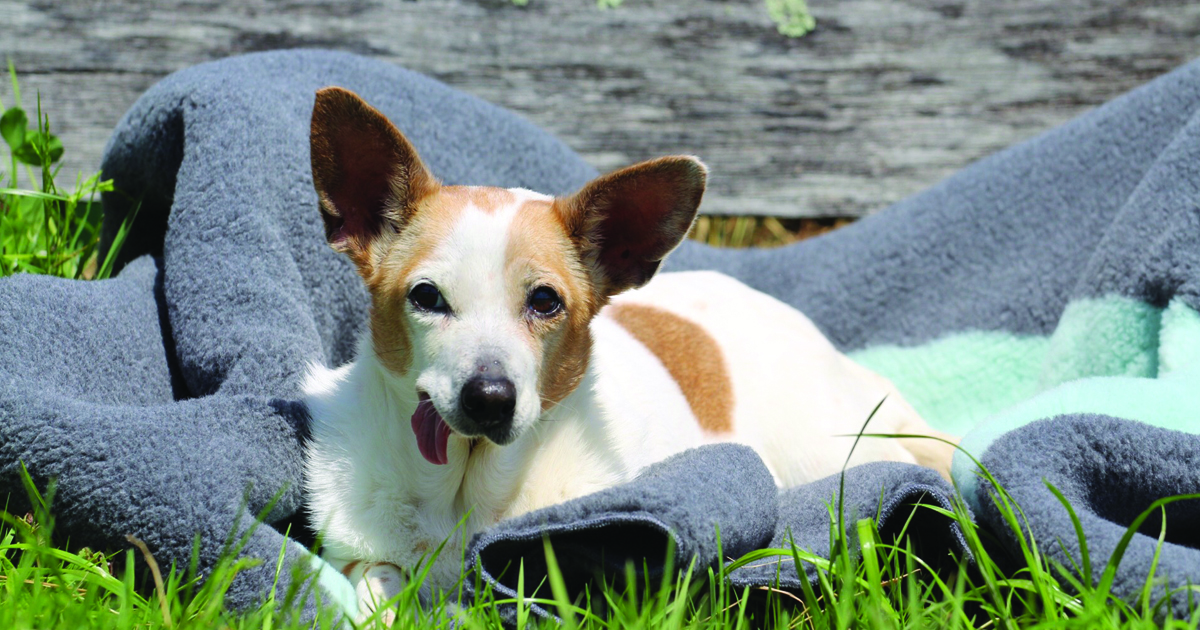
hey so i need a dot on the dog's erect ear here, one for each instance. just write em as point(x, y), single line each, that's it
point(367, 175)
point(625, 223)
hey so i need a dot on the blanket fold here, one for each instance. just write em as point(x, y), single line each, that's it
point(668, 513)
point(1044, 302)
point(1110, 471)
point(890, 493)
point(715, 501)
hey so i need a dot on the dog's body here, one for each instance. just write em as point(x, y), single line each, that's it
point(512, 361)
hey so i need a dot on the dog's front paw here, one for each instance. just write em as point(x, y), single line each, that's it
point(377, 589)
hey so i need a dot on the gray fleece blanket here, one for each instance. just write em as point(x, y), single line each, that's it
point(1045, 303)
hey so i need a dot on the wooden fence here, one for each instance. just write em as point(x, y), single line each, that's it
point(883, 99)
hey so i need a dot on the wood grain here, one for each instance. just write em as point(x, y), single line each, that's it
point(882, 100)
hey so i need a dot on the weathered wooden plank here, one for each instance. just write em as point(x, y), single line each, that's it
point(885, 98)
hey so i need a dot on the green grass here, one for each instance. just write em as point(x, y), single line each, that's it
point(864, 582)
point(44, 228)
point(753, 231)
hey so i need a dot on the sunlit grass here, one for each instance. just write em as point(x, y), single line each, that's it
point(45, 228)
point(863, 581)
point(752, 231)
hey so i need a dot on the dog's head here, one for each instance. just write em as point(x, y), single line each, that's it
point(484, 295)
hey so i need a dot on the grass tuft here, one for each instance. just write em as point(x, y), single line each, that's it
point(751, 231)
point(44, 228)
point(865, 580)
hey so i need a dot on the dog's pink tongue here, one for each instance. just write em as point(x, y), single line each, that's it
point(433, 434)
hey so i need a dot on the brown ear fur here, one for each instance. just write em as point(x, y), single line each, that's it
point(625, 223)
point(367, 175)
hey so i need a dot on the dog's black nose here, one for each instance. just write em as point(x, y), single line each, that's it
point(489, 401)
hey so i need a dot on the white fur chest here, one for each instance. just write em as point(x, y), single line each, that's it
point(375, 498)
point(371, 493)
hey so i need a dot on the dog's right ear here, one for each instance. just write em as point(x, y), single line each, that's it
point(626, 222)
point(368, 176)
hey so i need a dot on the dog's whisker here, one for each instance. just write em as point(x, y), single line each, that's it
point(556, 406)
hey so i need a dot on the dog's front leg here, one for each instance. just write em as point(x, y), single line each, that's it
point(376, 584)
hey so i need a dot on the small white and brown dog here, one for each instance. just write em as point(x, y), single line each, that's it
point(518, 354)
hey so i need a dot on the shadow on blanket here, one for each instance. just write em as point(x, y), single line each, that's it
point(161, 400)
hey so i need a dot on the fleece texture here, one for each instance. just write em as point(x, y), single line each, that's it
point(1011, 303)
point(890, 493)
point(1057, 279)
point(1111, 471)
point(664, 512)
point(1103, 205)
point(737, 509)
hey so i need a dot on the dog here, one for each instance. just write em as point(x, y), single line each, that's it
point(521, 351)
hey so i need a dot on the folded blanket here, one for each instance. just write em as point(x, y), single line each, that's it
point(1110, 470)
point(165, 404)
point(1053, 281)
point(735, 510)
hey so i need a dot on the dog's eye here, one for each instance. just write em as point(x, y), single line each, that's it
point(426, 297)
point(544, 301)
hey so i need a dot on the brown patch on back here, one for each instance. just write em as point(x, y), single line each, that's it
point(691, 356)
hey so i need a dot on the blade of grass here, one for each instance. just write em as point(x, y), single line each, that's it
point(118, 242)
point(559, 588)
point(154, 571)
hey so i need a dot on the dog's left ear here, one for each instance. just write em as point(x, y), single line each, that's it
point(625, 223)
point(368, 176)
